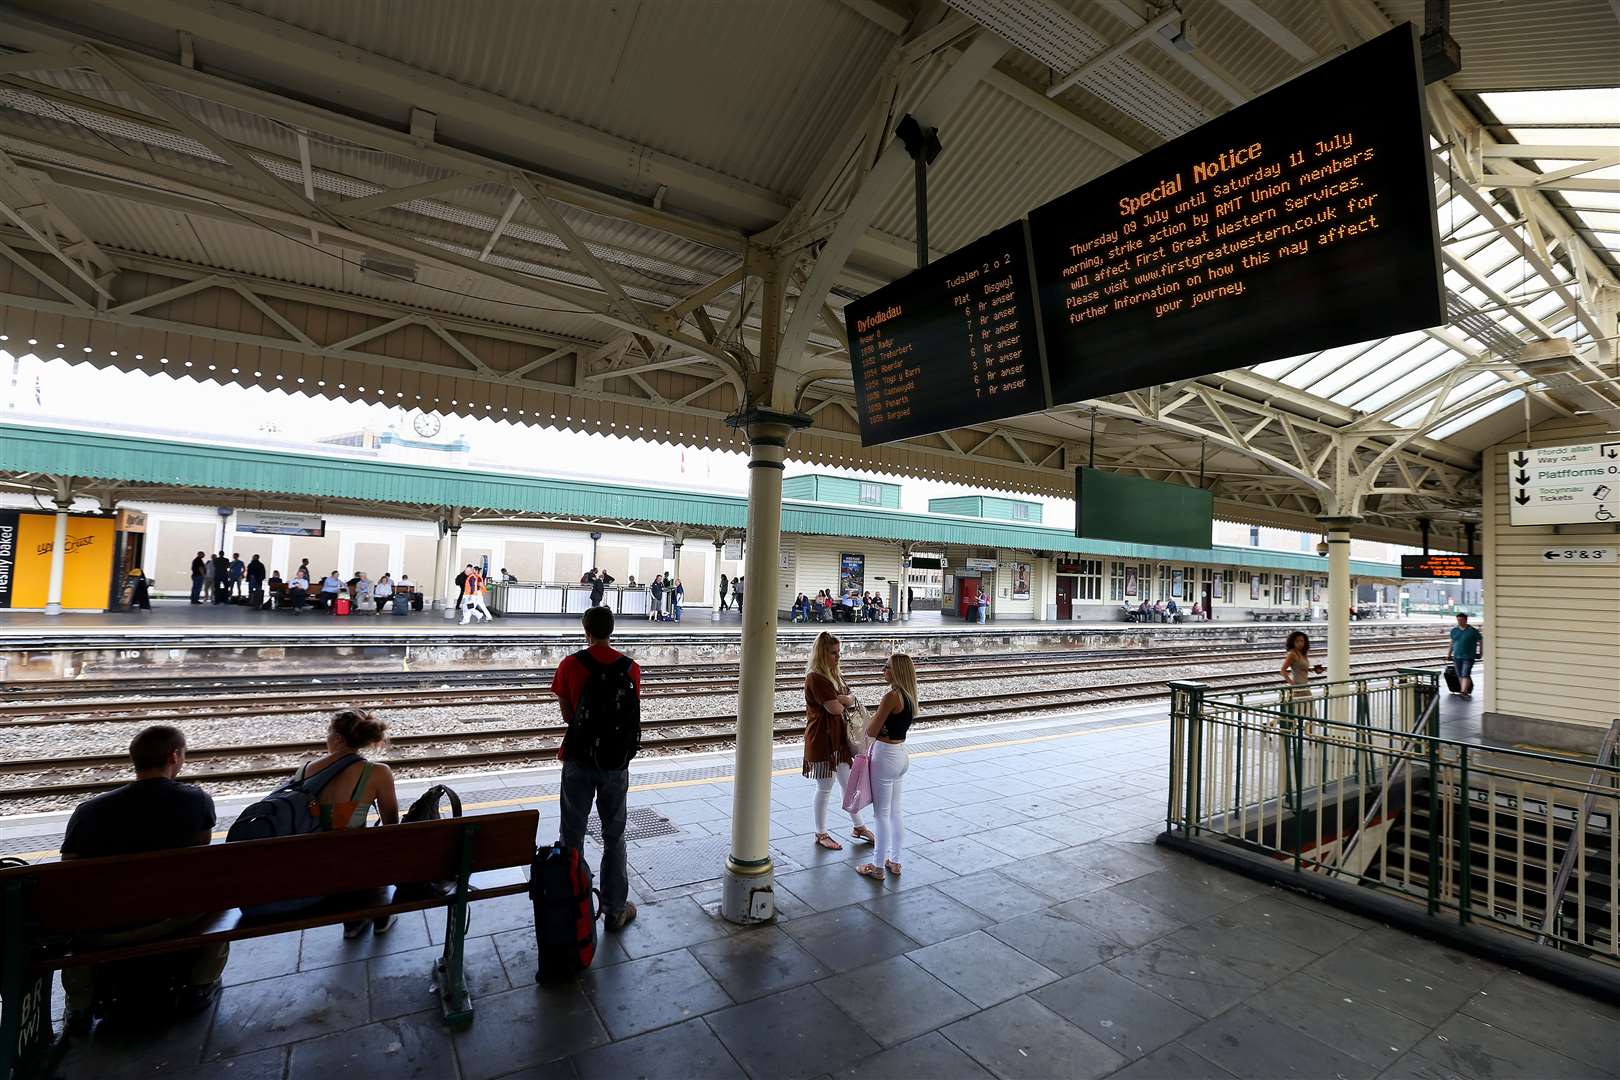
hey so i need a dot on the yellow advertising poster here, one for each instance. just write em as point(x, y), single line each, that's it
point(87, 574)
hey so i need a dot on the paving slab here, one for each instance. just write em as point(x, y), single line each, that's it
point(415, 1047)
point(400, 984)
point(999, 898)
point(926, 915)
point(1350, 1024)
point(529, 1026)
point(982, 969)
point(669, 924)
point(1021, 1039)
point(681, 1052)
point(791, 1034)
point(848, 938)
point(1119, 916)
point(928, 1057)
point(1056, 943)
point(1128, 1019)
point(1173, 1062)
point(274, 1012)
point(757, 961)
point(652, 992)
point(1247, 1043)
point(1477, 1049)
point(1391, 984)
point(894, 1000)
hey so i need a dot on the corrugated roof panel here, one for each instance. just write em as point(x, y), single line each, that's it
point(1544, 43)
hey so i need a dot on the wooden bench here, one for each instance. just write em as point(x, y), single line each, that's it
point(46, 911)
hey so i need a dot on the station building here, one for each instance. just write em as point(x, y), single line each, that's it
point(840, 535)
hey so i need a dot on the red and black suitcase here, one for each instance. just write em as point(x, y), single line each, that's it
point(566, 907)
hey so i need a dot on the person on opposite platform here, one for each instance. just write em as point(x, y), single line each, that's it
point(140, 590)
point(827, 750)
point(255, 581)
point(237, 570)
point(222, 579)
point(331, 586)
point(617, 680)
point(1467, 646)
point(199, 575)
point(887, 731)
point(656, 607)
point(474, 605)
point(298, 588)
point(725, 584)
point(383, 591)
point(346, 801)
point(677, 597)
point(154, 813)
point(737, 592)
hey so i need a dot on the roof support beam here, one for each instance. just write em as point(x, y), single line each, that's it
point(500, 226)
point(394, 196)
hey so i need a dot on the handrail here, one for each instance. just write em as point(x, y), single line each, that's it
point(1566, 866)
point(1418, 731)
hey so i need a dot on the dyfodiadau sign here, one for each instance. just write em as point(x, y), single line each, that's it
point(26, 541)
point(1577, 484)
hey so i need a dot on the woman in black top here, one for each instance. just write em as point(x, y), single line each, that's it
point(889, 761)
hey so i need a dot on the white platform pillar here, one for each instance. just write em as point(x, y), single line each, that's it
point(53, 594)
point(747, 894)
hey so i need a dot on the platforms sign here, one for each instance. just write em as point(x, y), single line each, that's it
point(1582, 556)
point(1578, 484)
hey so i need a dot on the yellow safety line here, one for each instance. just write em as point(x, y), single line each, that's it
point(668, 784)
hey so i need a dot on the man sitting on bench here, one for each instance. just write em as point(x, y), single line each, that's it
point(153, 813)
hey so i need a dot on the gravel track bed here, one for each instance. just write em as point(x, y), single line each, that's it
point(462, 728)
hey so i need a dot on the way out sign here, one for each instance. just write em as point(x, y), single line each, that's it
point(1578, 484)
point(1582, 556)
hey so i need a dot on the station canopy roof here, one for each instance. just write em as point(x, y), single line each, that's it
point(594, 216)
point(115, 468)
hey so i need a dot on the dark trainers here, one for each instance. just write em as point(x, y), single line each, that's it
point(194, 999)
point(620, 919)
point(352, 930)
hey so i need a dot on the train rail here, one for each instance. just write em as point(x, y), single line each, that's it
point(455, 751)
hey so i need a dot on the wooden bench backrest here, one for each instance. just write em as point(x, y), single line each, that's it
point(81, 895)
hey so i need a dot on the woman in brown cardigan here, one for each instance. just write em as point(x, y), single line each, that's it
point(827, 752)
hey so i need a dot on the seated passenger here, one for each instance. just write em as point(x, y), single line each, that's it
point(363, 592)
point(331, 586)
point(347, 800)
point(384, 592)
point(1158, 610)
point(154, 813)
point(298, 588)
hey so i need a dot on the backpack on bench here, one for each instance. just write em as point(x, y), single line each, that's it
point(292, 809)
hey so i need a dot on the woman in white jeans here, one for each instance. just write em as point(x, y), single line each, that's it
point(889, 762)
point(827, 750)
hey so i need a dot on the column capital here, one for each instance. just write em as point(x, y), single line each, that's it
point(767, 427)
point(1339, 522)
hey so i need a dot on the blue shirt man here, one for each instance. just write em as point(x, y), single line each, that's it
point(1467, 644)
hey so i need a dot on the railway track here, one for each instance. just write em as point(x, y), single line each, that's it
point(214, 764)
point(432, 690)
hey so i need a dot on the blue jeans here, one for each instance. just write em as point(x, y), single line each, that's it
point(1464, 666)
point(196, 588)
point(610, 790)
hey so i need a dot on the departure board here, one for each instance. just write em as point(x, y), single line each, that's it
point(1453, 567)
point(951, 344)
point(1299, 221)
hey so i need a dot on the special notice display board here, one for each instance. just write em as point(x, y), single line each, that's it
point(1299, 221)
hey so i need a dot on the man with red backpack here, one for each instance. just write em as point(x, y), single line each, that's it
point(599, 691)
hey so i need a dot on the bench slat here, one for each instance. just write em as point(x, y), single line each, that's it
point(81, 895)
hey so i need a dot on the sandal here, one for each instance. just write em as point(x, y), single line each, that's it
point(892, 867)
point(825, 840)
point(867, 870)
point(863, 834)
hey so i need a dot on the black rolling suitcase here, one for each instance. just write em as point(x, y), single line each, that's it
point(1453, 683)
point(402, 603)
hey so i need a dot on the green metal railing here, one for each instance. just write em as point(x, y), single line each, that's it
point(1352, 780)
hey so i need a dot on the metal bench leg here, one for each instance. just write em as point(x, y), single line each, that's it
point(449, 970)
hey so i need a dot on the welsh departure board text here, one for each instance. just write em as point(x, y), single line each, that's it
point(954, 343)
point(1299, 221)
point(1443, 567)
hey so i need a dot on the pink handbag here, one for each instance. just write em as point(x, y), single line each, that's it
point(858, 792)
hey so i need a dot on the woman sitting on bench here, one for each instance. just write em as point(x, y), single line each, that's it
point(347, 800)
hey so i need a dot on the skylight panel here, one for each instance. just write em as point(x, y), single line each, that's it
point(1599, 136)
point(1589, 105)
point(1414, 378)
point(1600, 219)
point(1474, 416)
point(1376, 357)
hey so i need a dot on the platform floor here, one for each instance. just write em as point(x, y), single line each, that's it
point(168, 618)
point(1036, 932)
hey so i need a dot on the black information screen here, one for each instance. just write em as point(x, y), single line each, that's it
point(1444, 567)
point(951, 344)
point(1299, 221)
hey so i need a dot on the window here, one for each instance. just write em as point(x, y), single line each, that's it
point(1090, 583)
point(1228, 593)
point(1116, 581)
point(1254, 536)
point(1020, 511)
point(871, 494)
point(1164, 582)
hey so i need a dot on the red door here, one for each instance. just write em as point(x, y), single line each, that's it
point(967, 596)
point(1065, 597)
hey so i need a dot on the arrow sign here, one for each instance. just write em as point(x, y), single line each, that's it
point(1523, 477)
point(1569, 484)
point(1521, 498)
point(1521, 461)
point(1611, 450)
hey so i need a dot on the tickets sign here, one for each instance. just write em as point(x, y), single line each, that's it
point(1576, 484)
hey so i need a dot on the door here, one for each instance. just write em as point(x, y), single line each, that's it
point(1209, 598)
point(1065, 597)
point(967, 597)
